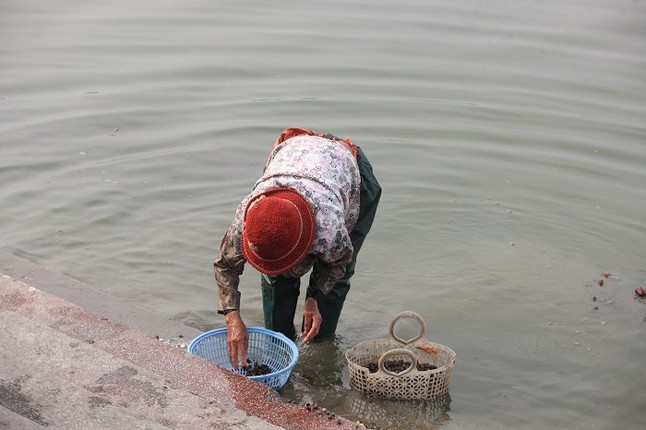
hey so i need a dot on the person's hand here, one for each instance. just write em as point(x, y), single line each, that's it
point(311, 320)
point(237, 339)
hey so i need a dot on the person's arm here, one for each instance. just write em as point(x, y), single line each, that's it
point(228, 267)
point(327, 275)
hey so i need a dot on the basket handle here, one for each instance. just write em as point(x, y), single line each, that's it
point(412, 315)
point(397, 351)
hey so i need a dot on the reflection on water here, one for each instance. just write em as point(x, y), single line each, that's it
point(420, 414)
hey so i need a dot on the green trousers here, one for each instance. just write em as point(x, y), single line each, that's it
point(280, 293)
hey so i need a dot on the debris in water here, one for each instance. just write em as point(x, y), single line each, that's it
point(640, 292)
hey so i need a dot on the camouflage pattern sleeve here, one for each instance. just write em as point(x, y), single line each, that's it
point(228, 267)
point(329, 273)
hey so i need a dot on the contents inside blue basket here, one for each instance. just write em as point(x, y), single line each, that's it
point(253, 368)
point(267, 349)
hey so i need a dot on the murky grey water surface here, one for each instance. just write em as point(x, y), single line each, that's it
point(509, 138)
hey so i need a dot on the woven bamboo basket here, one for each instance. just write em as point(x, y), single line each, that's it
point(409, 383)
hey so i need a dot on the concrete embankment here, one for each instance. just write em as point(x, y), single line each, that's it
point(73, 357)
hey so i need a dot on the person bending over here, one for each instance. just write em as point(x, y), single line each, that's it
point(311, 209)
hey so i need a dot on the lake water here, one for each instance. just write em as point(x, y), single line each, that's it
point(509, 137)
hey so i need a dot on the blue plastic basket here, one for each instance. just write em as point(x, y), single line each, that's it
point(265, 347)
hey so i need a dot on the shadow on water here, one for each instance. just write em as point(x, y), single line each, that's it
point(321, 378)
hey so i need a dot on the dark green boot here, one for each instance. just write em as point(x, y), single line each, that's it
point(330, 312)
point(279, 301)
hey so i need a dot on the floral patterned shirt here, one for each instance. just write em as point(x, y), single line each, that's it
point(326, 174)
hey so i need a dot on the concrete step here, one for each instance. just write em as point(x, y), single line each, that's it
point(63, 367)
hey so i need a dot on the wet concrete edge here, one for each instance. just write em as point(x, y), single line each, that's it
point(128, 331)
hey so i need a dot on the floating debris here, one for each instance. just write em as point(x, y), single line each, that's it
point(607, 274)
point(640, 292)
